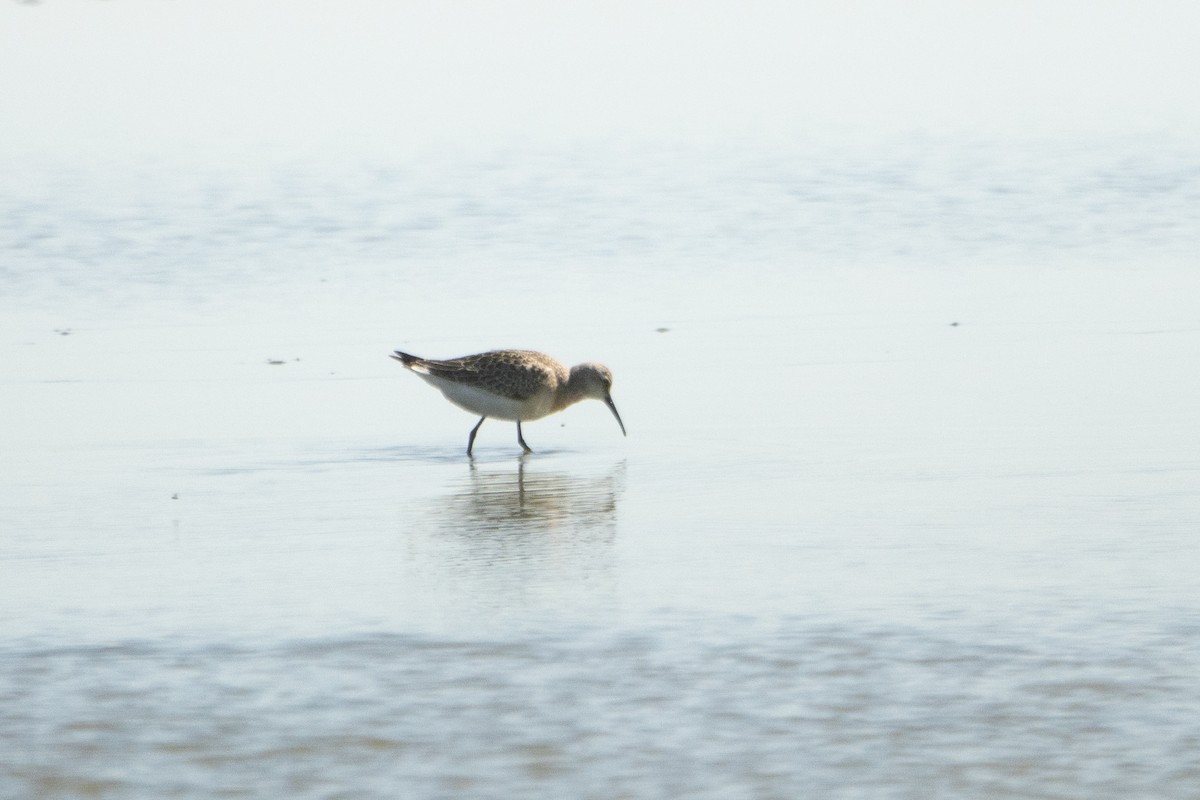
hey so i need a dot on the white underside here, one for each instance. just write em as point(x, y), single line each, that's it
point(486, 404)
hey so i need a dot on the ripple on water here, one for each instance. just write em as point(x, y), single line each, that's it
point(692, 709)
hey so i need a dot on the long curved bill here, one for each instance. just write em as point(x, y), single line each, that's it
point(608, 401)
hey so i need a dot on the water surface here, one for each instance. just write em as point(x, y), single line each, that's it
point(907, 507)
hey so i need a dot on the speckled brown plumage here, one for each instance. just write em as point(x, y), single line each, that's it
point(516, 374)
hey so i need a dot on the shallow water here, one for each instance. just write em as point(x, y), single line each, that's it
point(796, 706)
point(907, 508)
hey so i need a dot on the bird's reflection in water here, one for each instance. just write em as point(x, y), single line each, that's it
point(531, 500)
point(516, 533)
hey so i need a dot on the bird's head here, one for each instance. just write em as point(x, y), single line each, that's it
point(594, 381)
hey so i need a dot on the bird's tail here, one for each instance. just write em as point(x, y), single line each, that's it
point(404, 358)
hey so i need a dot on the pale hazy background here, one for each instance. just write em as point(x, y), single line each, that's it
point(144, 76)
point(903, 305)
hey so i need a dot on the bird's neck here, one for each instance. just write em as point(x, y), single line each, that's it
point(569, 393)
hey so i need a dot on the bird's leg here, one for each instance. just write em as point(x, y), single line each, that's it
point(521, 439)
point(471, 438)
